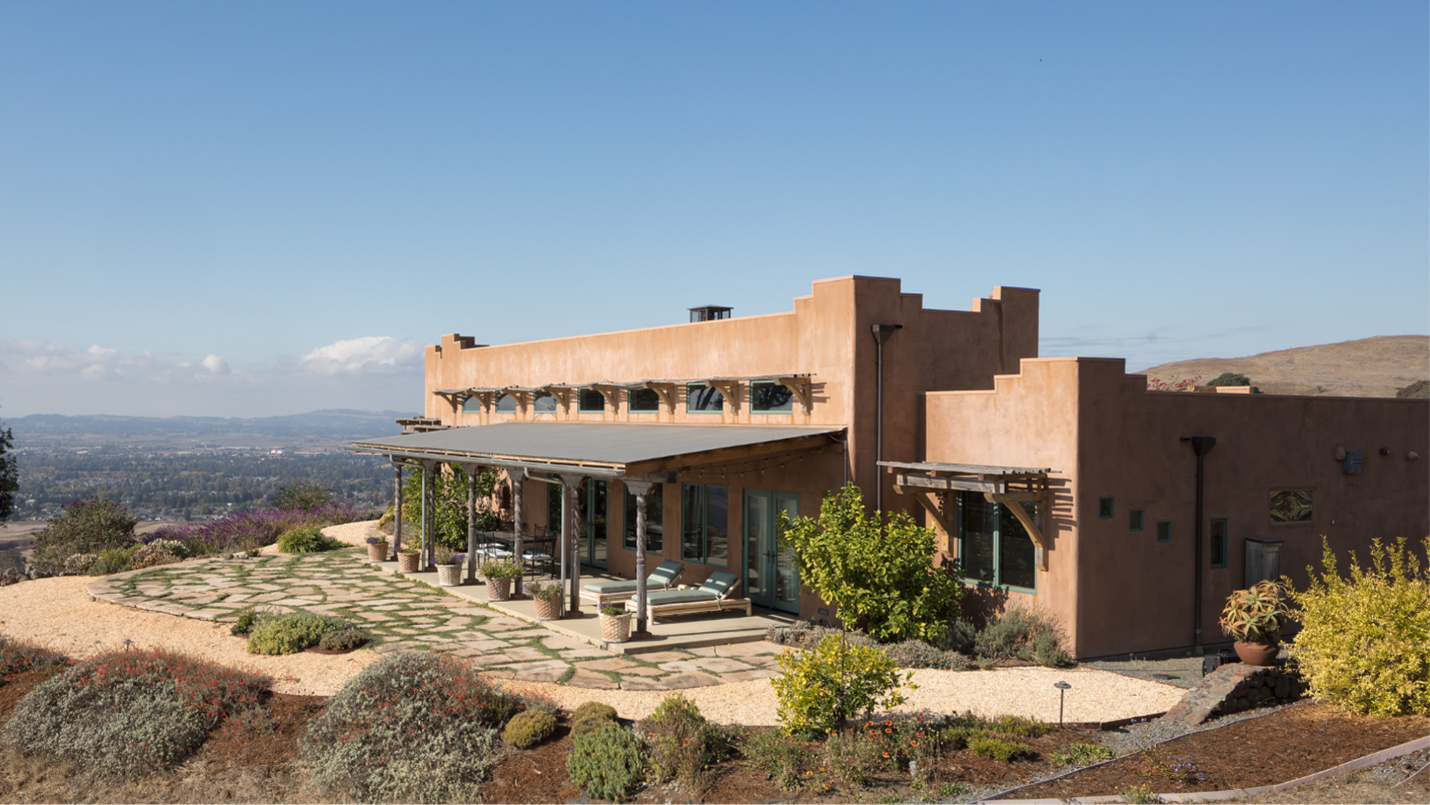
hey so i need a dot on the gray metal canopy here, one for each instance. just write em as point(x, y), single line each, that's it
point(596, 449)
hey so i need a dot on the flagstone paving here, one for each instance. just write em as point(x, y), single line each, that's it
point(402, 614)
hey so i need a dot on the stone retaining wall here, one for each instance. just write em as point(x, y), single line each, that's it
point(1237, 687)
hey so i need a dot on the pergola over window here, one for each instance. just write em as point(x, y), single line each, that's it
point(931, 482)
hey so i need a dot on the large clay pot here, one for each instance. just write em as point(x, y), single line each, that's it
point(1257, 653)
point(616, 628)
point(407, 562)
point(498, 589)
point(377, 553)
point(449, 575)
point(548, 609)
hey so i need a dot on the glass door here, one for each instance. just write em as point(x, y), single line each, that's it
point(771, 573)
point(591, 522)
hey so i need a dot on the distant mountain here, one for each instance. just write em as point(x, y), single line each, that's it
point(1370, 367)
point(335, 425)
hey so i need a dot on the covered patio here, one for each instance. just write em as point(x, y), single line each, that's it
point(564, 455)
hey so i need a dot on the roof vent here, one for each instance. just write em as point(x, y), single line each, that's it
point(709, 313)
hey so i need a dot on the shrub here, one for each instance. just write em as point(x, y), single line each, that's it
point(78, 564)
point(249, 530)
point(823, 687)
point(306, 539)
point(1022, 633)
point(412, 726)
point(345, 639)
point(154, 554)
point(878, 572)
point(682, 742)
point(529, 728)
point(1365, 641)
point(17, 657)
point(1019, 726)
point(301, 494)
point(804, 634)
point(852, 756)
point(606, 763)
point(289, 634)
point(961, 636)
point(918, 654)
point(247, 619)
point(999, 749)
point(589, 709)
point(112, 560)
point(1082, 754)
point(85, 526)
point(1230, 379)
point(130, 712)
point(778, 755)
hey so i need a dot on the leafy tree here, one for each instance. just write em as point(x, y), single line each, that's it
point(1230, 379)
point(450, 494)
point(880, 575)
point(85, 526)
point(301, 493)
point(9, 474)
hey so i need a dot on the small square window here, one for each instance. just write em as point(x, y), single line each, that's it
point(472, 404)
point(1104, 508)
point(1164, 531)
point(1291, 506)
point(591, 401)
point(1218, 545)
point(771, 398)
point(703, 399)
point(642, 400)
point(1134, 519)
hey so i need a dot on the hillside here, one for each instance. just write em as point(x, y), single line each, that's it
point(1370, 367)
point(331, 427)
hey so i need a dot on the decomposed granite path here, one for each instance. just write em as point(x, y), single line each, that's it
point(403, 614)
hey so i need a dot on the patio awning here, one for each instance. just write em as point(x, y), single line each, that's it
point(603, 450)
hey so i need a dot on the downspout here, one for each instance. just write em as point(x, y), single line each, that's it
point(881, 334)
point(1201, 445)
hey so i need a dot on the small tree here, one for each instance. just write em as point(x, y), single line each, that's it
point(1230, 379)
point(9, 474)
point(301, 494)
point(879, 574)
point(450, 494)
point(85, 526)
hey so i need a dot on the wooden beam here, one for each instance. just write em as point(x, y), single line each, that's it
point(666, 391)
point(799, 386)
point(611, 393)
point(730, 455)
point(926, 500)
point(1040, 543)
point(730, 390)
point(950, 484)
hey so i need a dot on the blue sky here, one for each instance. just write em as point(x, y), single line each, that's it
point(266, 208)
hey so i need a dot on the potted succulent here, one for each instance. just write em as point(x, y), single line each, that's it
point(547, 596)
point(1254, 618)
point(449, 568)
point(407, 560)
point(615, 624)
point(499, 575)
point(376, 549)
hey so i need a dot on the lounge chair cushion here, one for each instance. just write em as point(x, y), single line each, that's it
point(663, 576)
point(664, 597)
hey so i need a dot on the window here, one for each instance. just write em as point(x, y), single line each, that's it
point(591, 401)
point(642, 401)
point(768, 397)
point(702, 399)
point(1218, 543)
point(472, 404)
point(1134, 519)
point(1104, 508)
point(1164, 531)
point(544, 403)
point(993, 545)
point(553, 508)
point(704, 521)
point(506, 404)
point(1291, 506)
point(654, 513)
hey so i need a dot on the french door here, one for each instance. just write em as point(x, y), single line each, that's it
point(591, 508)
point(771, 573)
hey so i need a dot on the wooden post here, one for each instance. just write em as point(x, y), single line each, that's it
point(569, 485)
point(516, 483)
point(472, 470)
point(397, 516)
point(429, 504)
point(640, 489)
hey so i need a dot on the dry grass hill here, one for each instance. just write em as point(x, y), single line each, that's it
point(1370, 367)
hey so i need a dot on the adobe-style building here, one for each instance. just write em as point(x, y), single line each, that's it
point(1059, 482)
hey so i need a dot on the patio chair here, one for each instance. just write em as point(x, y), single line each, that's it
point(712, 596)
point(609, 592)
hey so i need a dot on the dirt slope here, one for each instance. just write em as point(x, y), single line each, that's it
point(1370, 367)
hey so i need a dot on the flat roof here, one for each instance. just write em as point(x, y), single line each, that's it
point(606, 448)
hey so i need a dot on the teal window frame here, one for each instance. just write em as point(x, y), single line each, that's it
point(1218, 542)
point(635, 407)
point(540, 396)
point(702, 389)
point(1134, 520)
point(467, 402)
point(1106, 508)
point(755, 402)
point(584, 393)
point(1164, 530)
point(654, 515)
point(695, 500)
point(515, 405)
point(996, 555)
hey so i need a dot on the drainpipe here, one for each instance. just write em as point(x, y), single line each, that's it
point(881, 334)
point(1201, 445)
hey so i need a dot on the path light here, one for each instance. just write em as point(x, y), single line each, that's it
point(1062, 691)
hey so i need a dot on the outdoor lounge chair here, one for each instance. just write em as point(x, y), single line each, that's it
point(602, 593)
point(712, 596)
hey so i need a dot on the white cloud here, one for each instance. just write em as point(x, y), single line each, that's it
point(371, 354)
point(215, 364)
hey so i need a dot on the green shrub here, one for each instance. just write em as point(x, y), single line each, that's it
point(154, 554)
point(999, 749)
point(589, 724)
point(307, 539)
point(1022, 633)
point(1082, 754)
point(606, 763)
point(18, 657)
point(878, 572)
point(778, 754)
point(345, 639)
point(1365, 641)
point(1019, 727)
point(112, 560)
point(86, 526)
point(823, 687)
point(588, 709)
point(918, 654)
point(530, 728)
point(682, 742)
point(127, 713)
point(411, 727)
point(247, 619)
point(961, 636)
point(853, 757)
point(803, 634)
point(290, 634)
point(1230, 379)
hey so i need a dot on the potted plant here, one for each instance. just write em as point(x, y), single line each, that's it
point(615, 624)
point(376, 549)
point(499, 575)
point(1254, 618)
point(449, 568)
point(407, 560)
point(547, 595)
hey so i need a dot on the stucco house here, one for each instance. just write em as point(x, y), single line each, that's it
point(1058, 482)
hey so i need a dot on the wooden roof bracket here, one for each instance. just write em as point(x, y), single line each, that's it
point(666, 391)
point(611, 392)
point(730, 390)
point(1012, 501)
point(925, 497)
point(562, 395)
point(800, 387)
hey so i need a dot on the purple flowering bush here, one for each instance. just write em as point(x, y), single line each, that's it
point(252, 530)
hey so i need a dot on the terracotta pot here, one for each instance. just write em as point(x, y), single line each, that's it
point(407, 562)
point(449, 575)
point(1257, 653)
point(377, 553)
point(548, 609)
point(498, 589)
point(615, 628)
